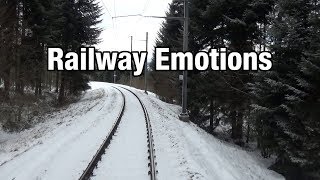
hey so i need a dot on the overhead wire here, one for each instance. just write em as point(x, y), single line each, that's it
point(105, 7)
point(114, 8)
point(145, 6)
point(140, 15)
point(110, 14)
point(114, 20)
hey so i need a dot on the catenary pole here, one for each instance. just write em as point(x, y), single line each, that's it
point(146, 67)
point(184, 115)
point(131, 38)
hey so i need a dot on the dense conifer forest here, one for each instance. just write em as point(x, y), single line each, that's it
point(27, 29)
point(277, 109)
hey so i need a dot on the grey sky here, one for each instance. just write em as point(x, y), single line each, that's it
point(117, 32)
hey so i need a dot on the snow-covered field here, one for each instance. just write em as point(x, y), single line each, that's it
point(63, 145)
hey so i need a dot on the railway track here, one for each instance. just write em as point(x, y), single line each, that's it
point(152, 164)
point(88, 173)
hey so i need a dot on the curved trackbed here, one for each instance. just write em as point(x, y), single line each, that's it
point(152, 163)
point(89, 172)
point(92, 165)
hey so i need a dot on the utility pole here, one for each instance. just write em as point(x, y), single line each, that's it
point(184, 115)
point(131, 37)
point(146, 66)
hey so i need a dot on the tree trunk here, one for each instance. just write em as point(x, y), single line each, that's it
point(50, 80)
point(240, 124)
point(217, 122)
point(211, 115)
point(6, 84)
point(62, 88)
point(233, 116)
point(237, 122)
point(248, 133)
point(37, 91)
point(40, 84)
point(57, 81)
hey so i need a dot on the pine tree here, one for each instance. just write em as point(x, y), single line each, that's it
point(170, 35)
point(27, 28)
point(8, 34)
point(232, 24)
point(215, 24)
point(35, 40)
point(302, 101)
point(79, 21)
point(286, 98)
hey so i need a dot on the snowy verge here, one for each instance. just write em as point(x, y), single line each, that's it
point(62, 146)
point(13, 144)
point(185, 151)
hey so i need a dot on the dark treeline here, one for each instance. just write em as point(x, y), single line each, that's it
point(27, 28)
point(278, 109)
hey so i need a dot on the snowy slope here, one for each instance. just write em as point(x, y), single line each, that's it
point(185, 151)
point(63, 145)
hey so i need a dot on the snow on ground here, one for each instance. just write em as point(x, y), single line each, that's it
point(184, 151)
point(127, 155)
point(63, 145)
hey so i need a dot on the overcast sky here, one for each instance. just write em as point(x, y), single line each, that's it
point(117, 32)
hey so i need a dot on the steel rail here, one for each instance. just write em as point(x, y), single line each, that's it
point(151, 150)
point(88, 172)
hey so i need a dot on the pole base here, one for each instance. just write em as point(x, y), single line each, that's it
point(184, 117)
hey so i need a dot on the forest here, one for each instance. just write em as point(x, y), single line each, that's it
point(27, 29)
point(279, 109)
point(276, 111)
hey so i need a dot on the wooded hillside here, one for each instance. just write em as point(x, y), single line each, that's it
point(278, 109)
point(27, 29)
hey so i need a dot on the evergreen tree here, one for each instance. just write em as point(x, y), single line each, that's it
point(287, 97)
point(215, 24)
point(35, 39)
point(8, 35)
point(232, 24)
point(27, 28)
point(79, 21)
point(170, 35)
